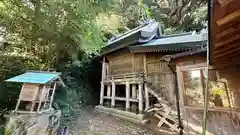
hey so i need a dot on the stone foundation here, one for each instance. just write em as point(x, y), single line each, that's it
point(133, 117)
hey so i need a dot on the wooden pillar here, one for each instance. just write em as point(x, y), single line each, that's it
point(53, 93)
point(146, 97)
point(134, 105)
point(113, 94)
point(108, 90)
point(140, 96)
point(133, 63)
point(102, 82)
point(35, 99)
point(41, 98)
point(19, 100)
point(134, 91)
point(127, 96)
point(145, 63)
point(101, 93)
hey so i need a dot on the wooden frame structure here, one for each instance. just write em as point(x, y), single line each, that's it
point(42, 97)
point(133, 65)
point(131, 82)
point(219, 115)
point(225, 27)
point(38, 91)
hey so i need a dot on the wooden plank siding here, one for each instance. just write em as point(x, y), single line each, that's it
point(225, 26)
point(123, 61)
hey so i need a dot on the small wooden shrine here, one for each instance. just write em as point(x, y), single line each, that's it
point(34, 107)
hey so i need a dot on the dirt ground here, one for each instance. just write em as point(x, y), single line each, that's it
point(91, 122)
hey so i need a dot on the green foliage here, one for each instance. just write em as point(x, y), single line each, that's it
point(175, 16)
point(2, 130)
point(52, 30)
point(49, 34)
point(66, 34)
point(81, 77)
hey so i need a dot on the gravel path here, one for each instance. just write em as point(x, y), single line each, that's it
point(91, 122)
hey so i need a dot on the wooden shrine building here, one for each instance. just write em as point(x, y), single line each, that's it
point(135, 75)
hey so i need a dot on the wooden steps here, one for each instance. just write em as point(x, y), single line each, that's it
point(162, 111)
point(165, 116)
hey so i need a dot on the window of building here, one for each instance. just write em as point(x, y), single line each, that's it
point(194, 83)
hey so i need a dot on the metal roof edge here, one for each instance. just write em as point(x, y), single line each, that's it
point(176, 35)
point(183, 54)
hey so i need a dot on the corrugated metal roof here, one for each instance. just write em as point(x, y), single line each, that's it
point(35, 77)
point(174, 40)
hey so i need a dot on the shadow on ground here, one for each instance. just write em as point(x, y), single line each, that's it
point(91, 122)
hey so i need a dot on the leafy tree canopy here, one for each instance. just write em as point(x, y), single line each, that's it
point(65, 34)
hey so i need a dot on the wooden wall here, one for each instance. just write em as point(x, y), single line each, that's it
point(161, 77)
point(119, 62)
point(138, 62)
point(232, 75)
point(221, 120)
point(123, 61)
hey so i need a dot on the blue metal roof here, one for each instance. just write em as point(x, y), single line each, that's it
point(35, 77)
point(174, 40)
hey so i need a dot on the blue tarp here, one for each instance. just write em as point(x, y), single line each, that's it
point(35, 77)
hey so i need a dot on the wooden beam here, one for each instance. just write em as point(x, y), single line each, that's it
point(133, 63)
point(113, 94)
point(127, 96)
point(47, 97)
point(134, 91)
point(146, 97)
point(140, 96)
point(229, 18)
point(35, 99)
point(102, 83)
point(229, 59)
point(41, 98)
point(180, 84)
point(227, 32)
point(52, 96)
point(19, 100)
point(227, 48)
point(231, 52)
point(229, 41)
point(145, 63)
point(109, 90)
point(224, 2)
point(227, 63)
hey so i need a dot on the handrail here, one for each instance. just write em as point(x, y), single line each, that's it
point(158, 61)
point(126, 75)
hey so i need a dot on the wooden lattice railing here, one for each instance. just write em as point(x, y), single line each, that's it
point(135, 75)
point(158, 77)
